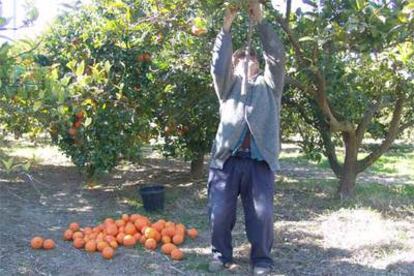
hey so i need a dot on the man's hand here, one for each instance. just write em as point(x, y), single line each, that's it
point(229, 18)
point(255, 11)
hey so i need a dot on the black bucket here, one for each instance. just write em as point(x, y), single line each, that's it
point(153, 197)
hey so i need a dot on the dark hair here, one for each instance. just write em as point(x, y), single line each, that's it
point(241, 54)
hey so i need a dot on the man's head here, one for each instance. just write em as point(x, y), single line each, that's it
point(239, 57)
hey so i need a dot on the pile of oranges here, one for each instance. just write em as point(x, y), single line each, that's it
point(128, 231)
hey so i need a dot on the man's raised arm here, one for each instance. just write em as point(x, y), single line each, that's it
point(274, 55)
point(221, 66)
point(273, 50)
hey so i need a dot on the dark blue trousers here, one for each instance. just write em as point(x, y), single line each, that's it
point(254, 182)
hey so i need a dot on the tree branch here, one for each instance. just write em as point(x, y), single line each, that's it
point(366, 119)
point(389, 138)
point(288, 9)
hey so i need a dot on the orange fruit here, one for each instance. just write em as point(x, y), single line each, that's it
point(178, 239)
point(100, 237)
point(125, 217)
point(78, 243)
point(67, 236)
point(121, 229)
point(120, 237)
point(36, 242)
point(77, 235)
point(113, 244)
point(166, 239)
point(49, 244)
point(141, 223)
point(93, 236)
point(120, 222)
point(142, 240)
point(108, 252)
point(87, 230)
point(169, 224)
point(130, 229)
point(150, 233)
point(150, 244)
point(134, 217)
point(137, 236)
point(177, 254)
point(157, 236)
point(167, 248)
point(192, 233)
point(111, 229)
point(74, 226)
point(101, 245)
point(158, 226)
point(109, 238)
point(168, 231)
point(129, 240)
point(90, 246)
point(108, 221)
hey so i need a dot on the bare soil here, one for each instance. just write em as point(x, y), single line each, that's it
point(314, 235)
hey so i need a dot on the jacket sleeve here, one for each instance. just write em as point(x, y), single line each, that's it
point(274, 55)
point(221, 66)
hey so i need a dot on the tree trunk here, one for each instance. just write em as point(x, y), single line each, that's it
point(197, 165)
point(349, 169)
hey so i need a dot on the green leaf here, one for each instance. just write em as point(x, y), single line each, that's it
point(360, 4)
point(306, 38)
point(88, 121)
point(80, 69)
point(37, 105)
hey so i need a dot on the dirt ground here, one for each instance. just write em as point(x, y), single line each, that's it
point(313, 234)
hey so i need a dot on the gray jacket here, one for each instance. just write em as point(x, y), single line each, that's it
point(259, 108)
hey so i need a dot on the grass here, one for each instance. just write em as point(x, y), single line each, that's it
point(398, 161)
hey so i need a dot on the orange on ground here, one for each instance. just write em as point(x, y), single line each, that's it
point(177, 254)
point(101, 245)
point(134, 217)
point(67, 236)
point(120, 222)
point(49, 244)
point(74, 226)
point(108, 221)
point(129, 240)
point(90, 246)
point(137, 236)
point(166, 239)
point(141, 223)
point(87, 230)
point(150, 233)
point(111, 229)
point(109, 238)
point(168, 231)
point(77, 235)
point(150, 244)
point(158, 226)
point(120, 237)
point(130, 229)
point(108, 252)
point(78, 243)
point(178, 239)
point(142, 240)
point(36, 242)
point(192, 233)
point(167, 248)
point(113, 244)
point(125, 217)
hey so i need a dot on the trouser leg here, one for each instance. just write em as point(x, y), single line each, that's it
point(223, 190)
point(257, 191)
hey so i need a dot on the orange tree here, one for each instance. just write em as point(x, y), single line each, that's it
point(102, 57)
point(350, 78)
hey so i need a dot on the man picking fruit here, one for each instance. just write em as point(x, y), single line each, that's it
point(245, 151)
